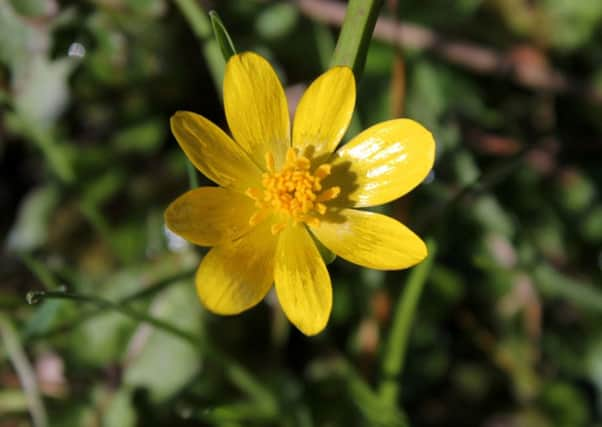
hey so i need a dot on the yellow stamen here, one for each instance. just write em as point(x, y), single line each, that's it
point(291, 156)
point(253, 193)
point(323, 171)
point(258, 216)
point(277, 228)
point(269, 162)
point(313, 221)
point(294, 190)
point(331, 193)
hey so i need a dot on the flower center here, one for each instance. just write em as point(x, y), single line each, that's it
point(294, 191)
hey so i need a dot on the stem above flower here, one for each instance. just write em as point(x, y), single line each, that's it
point(352, 46)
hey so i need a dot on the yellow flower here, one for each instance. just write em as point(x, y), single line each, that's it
point(279, 191)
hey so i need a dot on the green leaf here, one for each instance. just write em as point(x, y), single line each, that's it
point(45, 317)
point(120, 411)
point(104, 338)
point(166, 363)
point(221, 35)
point(33, 219)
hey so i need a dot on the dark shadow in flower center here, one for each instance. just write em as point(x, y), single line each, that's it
point(340, 176)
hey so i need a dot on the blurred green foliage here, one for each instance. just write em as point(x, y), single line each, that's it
point(508, 329)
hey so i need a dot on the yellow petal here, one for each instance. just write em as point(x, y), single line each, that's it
point(302, 281)
point(213, 152)
point(208, 216)
point(371, 240)
point(236, 275)
point(383, 162)
point(325, 110)
point(256, 107)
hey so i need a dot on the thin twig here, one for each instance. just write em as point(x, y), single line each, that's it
point(535, 74)
point(34, 297)
point(90, 314)
point(25, 371)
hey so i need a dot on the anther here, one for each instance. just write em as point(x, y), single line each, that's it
point(253, 193)
point(293, 190)
point(258, 217)
point(277, 228)
point(303, 163)
point(331, 193)
point(323, 171)
point(291, 156)
point(312, 220)
point(269, 162)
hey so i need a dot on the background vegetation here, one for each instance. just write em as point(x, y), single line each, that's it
point(508, 327)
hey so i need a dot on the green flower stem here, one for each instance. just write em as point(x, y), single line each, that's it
point(235, 372)
point(201, 26)
point(24, 370)
point(325, 46)
point(356, 32)
point(397, 342)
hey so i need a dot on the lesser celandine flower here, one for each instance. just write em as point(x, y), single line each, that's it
point(278, 191)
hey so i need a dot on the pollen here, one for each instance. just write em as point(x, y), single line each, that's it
point(295, 192)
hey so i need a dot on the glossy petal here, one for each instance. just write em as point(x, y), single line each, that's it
point(236, 275)
point(371, 240)
point(256, 107)
point(324, 112)
point(208, 216)
point(382, 163)
point(213, 152)
point(302, 281)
